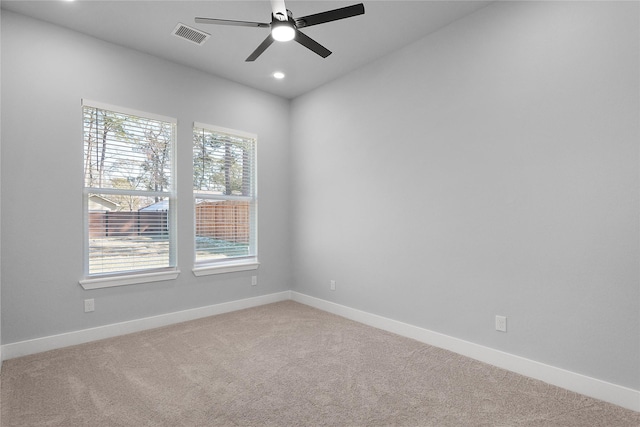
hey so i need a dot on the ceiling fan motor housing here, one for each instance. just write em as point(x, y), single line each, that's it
point(283, 30)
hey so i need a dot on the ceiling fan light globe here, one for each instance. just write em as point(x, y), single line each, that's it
point(283, 32)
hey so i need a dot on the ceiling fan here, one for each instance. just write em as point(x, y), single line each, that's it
point(285, 27)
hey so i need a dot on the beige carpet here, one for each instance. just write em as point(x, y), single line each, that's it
point(282, 364)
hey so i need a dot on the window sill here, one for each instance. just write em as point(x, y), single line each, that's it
point(130, 279)
point(226, 268)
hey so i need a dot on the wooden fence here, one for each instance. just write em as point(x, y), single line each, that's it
point(126, 224)
point(227, 220)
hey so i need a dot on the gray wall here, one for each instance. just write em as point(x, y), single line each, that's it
point(490, 168)
point(46, 70)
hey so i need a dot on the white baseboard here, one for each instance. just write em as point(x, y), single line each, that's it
point(592, 387)
point(38, 345)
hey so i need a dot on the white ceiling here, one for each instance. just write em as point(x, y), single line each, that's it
point(147, 26)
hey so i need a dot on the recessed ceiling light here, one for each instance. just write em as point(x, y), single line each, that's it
point(278, 75)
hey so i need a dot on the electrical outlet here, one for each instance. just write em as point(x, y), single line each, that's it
point(254, 280)
point(501, 323)
point(332, 285)
point(89, 305)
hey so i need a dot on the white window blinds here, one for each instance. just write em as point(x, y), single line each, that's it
point(128, 190)
point(224, 185)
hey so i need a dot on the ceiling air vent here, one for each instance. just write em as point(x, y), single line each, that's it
point(190, 34)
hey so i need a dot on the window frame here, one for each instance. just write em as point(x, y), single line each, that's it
point(130, 277)
point(235, 264)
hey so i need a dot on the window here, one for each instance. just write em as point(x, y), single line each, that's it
point(128, 196)
point(224, 188)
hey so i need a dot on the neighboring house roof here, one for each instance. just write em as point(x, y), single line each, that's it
point(160, 206)
point(99, 203)
point(208, 202)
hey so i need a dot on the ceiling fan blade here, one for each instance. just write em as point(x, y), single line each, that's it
point(310, 43)
point(263, 46)
point(330, 15)
point(279, 10)
point(231, 22)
